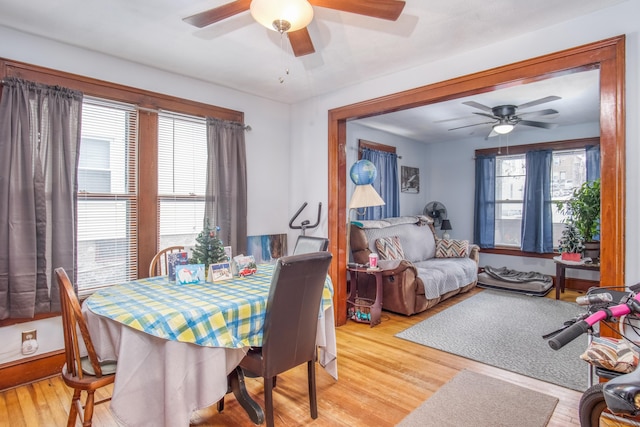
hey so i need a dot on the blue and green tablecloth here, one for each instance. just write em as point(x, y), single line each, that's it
point(228, 313)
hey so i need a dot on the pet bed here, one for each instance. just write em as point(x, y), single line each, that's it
point(530, 283)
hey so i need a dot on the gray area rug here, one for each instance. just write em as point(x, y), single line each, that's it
point(472, 399)
point(505, 330)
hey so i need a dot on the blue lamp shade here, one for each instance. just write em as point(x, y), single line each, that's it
point(363, 172)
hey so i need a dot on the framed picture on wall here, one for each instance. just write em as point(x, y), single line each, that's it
point(409, 179)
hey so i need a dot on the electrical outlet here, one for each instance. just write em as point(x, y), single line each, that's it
point(29, 341)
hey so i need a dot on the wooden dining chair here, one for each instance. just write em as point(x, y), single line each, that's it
point(81, 373)
point(306, 244)
point(291, 320)
point(160, 261)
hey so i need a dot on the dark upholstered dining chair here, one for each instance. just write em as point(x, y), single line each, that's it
point(306, 244)
point(291, 320)
point(80, 373)
point(159, 263)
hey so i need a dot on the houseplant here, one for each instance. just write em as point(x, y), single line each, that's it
point(582, 210)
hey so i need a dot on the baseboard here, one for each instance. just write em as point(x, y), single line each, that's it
point(31, 369)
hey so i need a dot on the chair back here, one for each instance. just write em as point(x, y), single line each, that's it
point(72, 321)
point(306, 244)
point(291, 319)
point(160, 262)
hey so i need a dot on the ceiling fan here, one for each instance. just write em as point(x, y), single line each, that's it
point(293, 16)
point(504, 118)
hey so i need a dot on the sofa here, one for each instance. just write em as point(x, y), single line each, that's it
point(419, 269)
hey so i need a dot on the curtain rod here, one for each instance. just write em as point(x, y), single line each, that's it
point(150, 110)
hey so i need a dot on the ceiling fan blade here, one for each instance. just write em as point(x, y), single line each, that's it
point(539, 101)
point(479, 106)
point(539, 112)
point(383, 9)
point(216, 14)
point(450, 120)
point(475, 124)
point(301, 42)
point(543, 125)
point(491, 116)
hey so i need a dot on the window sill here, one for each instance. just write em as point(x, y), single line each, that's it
point(503, 250)
point(9, 322)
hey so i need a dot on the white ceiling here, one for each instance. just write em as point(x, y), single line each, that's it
point(579, 104)
point(241, 54)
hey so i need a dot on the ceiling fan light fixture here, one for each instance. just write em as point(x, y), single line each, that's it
point(282, 15)
point(503, 128)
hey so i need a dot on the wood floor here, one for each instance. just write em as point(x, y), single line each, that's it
point(381, 380)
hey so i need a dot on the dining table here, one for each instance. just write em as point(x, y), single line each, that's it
point(178, 347)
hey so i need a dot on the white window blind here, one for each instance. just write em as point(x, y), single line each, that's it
point(107, 204)
point(182, 162)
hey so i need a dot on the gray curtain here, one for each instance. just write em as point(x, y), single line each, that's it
point(537, 226)
point(226, 192)
point(485, 202)
point(386, 184)
point(39, 146)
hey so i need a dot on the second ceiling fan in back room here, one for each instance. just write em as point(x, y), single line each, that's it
point(504, 118)
point(293, 16)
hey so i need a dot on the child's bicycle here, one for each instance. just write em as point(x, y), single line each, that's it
point(616, 402)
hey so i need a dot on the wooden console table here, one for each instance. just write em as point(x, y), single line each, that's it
point(360, 309)
point(562, 266)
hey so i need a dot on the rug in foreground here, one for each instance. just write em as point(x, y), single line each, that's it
point(505, 330)
point(472, 399)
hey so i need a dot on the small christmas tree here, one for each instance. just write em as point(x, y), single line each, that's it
point(571, 240)
point(209, 248)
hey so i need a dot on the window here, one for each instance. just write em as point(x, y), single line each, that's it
point(510, 176)
point(182, 162)
point(117, 196)
point(568, 172)
point(107, 203)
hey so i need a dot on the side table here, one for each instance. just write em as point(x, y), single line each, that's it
point(361, 309)
point(561, 266)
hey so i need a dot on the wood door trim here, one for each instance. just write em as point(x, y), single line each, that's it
point(606, 55)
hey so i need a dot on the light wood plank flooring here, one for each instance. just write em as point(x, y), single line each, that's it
point(382, 379)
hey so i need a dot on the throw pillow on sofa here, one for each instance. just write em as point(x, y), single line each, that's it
point(389, 248)
point(450, 248)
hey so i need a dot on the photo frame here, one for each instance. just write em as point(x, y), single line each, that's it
point(409, 179)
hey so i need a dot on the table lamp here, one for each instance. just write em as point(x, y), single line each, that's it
point(362, 173)
point(445, 226)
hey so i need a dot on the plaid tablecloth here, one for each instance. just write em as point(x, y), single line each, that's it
point(228, 313)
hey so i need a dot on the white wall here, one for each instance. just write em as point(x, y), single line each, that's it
point(310, 118)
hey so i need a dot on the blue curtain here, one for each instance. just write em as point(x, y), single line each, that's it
point(537, 226)
point(485, 206)
point(386, 184)
point(593, 162)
